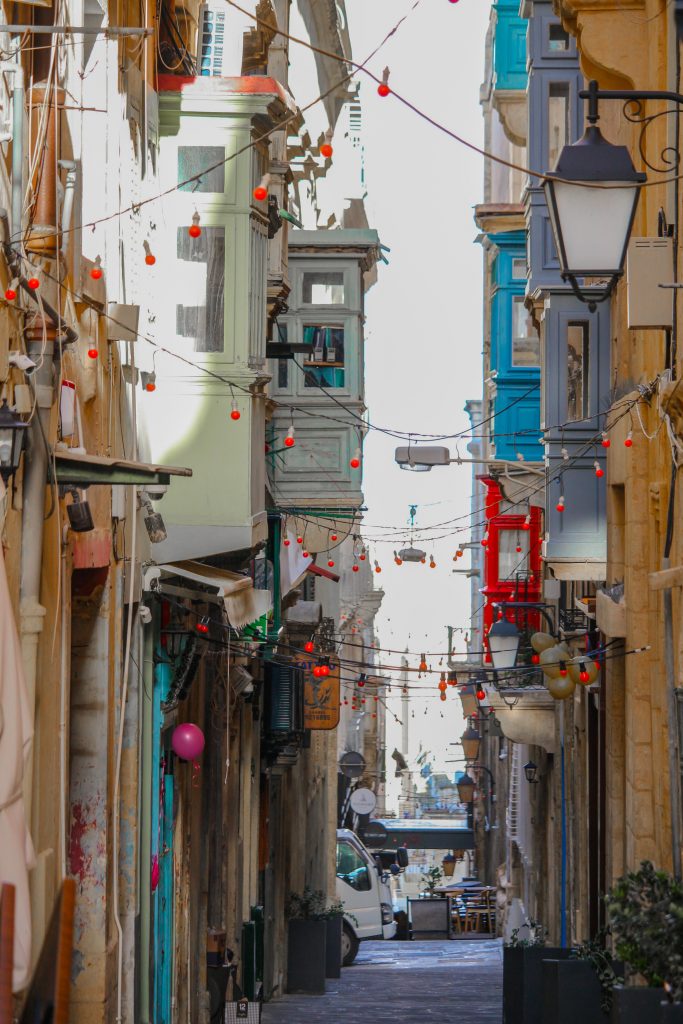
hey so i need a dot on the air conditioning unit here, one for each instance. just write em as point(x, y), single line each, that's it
point(284, 700)
point(211, 40)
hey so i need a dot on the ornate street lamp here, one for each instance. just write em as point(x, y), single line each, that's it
point(531, 771)
point(470, 742)
point(503, 639)
point(591, 222)
point(12, 433)
point(466, 786)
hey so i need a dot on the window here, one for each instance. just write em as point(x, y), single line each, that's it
point(202, 318)
point(558, 120)
point(352, 869)
point(510, 560)
point(196, 160)
point(519, 269)
point(558, 39)
point(323, 288)
point(577, 370)
point(325, 362)
point(280, 336)
point(526, 349)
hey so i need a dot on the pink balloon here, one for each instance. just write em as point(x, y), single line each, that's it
point(187, 741)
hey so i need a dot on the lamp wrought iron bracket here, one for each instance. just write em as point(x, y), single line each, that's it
point(634, 112)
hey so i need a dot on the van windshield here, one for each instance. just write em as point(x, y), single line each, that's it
point(351, 868)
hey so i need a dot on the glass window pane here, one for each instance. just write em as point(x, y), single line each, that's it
point(324, 365)
point(510, 560)
point(519, 269)
point(558, 39)
point(558, 120)
point(577, 371)
point(351, 868)
point(525, 342)
point(202, 315)
point(196, 160)
point(323, 288)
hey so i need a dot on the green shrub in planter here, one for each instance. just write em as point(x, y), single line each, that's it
point(306, 942)
point(646, 914)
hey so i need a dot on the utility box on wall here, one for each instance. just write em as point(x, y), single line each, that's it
point(649, 265)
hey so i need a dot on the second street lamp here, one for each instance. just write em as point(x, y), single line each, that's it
point(503, 640)
point(592, 197)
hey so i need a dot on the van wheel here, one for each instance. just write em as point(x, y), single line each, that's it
point(350, 946)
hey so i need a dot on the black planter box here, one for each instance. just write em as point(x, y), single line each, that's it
point(306, 954)
point(523, 982)
point(636, 1005)
point(671, 1013)
point(333, 949)
point(572, 992)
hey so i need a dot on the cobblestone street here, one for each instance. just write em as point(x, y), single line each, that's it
point(407, 982)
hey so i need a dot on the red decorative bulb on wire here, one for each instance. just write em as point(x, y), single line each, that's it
point(535, 659)
point(93, 353)
point(96, 272)
point(362, 556)
point(481, 694)
point(383, 87)
point(11, 292)
point(289, 439)
point(286, 542)
point(234, 410)
point(194, 230)
point(605, 440)
point(560, 504)
point(324, 670)
point(485, 540)
point(261, 191)
point(518, 549)
point(378, 568)
point(599, 471)
point(354, 568)
point(355, 461)
point(305, 554)
point(628, 442)
point(151, 384)
point(326, 148)
point(563, 669)
point(330, 562)
point(299, 540)
point(317, 671)
point(309, 647)
point(33, 283)
point(526, 525)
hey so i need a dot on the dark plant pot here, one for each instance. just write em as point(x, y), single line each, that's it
point(306, 947)
point(523, 982)
point(333, 948)
point(671, 1013)
point(636, 1005)
point(572, 992)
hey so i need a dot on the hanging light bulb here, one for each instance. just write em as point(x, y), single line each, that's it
point(362, 555)
point(194, 230)
point(518, 549)
point(399, 561)
point(11, 290)
point(305, 554)
point(563, 669)
point(362, 679)
point(599, 471)
point(628, 442)
point(324, 670)
point(480, 694)
point(150, 258)
point(605, 440)
point(535, 658)
point(560, 504)
point(261, 191)
point(333, 536)
point(432, 563)
point(289, 439)
point(96, 270)
point(203, 625)
point(317, 671)
point(286, 542)
point(485, 540)
point(330, 562)
point(423, 663)
point(383, 87)
point(309, 647)
point(151, 382)
point(354, 568)
point(584, 675)
point(33, 283)
point(326, 148)
point(526, 525)
point(378, 567)
point(299, 540)
point(93, 352)
point(354, 463)
point(452, 679)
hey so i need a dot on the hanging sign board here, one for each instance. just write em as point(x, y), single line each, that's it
point(321, 696)
point(363, 801)
point(374, 835)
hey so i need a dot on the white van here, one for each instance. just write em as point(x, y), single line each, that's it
point(364, 890)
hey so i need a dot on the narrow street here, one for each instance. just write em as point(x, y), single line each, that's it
point(443, 982)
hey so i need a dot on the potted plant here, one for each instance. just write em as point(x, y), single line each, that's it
point(582, 987)
point(431, 880)
point(646, 913)
point(523, 975)
point(334, 918)
point(306, 942)
point(448, 865)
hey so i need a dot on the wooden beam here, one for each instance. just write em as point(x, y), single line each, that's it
point(666, 578)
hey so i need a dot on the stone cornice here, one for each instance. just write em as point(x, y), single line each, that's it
point(614, 39)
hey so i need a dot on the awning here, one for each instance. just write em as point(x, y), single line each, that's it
point(83, 470)
point(16, 738)
point(317, 570)
point(243, 603)
point(587, 569)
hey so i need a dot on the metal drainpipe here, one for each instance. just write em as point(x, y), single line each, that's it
point(17, 148)
point(40, 336)
point(71, 168)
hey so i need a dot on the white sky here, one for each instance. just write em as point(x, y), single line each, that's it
point(424, 317)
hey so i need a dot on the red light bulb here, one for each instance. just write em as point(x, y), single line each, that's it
point(299, 540)
point(484, 541)
point(150, 259)
point(235, 414)
point(481, 694)
point(10, 294)
point(560, 505)
point(286, 542)
point(518, 549)
point(563, 669)
point(260, 193)
point(362, 557)
point(628, 442)
point(194, 230)
point(526, 525)
point(584, 677)
point(383, 89)
point(378, 568)
point(354, 568)
point(317, 671)
point(605, 440)
point(96, 273)
point(535, 659)
point(599, 471)
point(305, 554)
point(289, 439)
point(150, 386)
point(330, 562)
point(324, 670)
point(93, 353)
point(309, 647)
point(33, 283)
point(326, 149)
point(333, 536)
